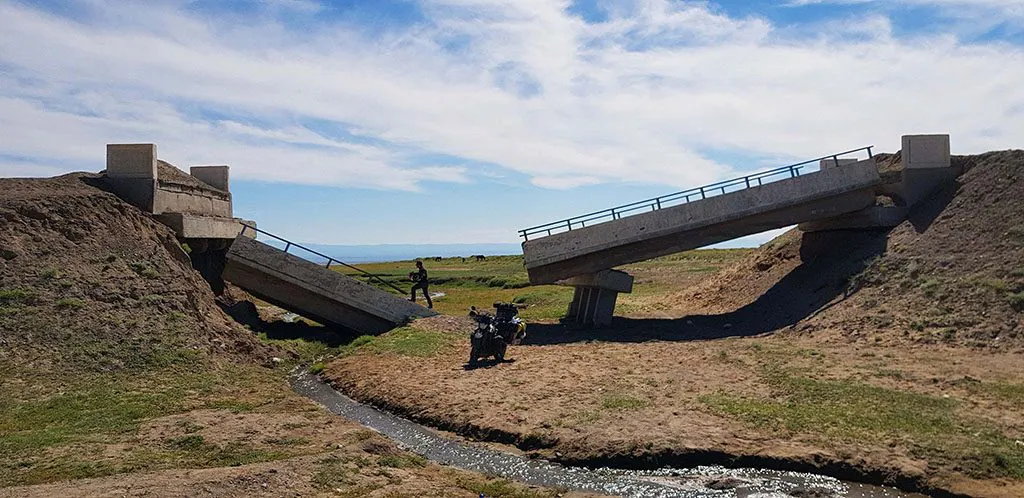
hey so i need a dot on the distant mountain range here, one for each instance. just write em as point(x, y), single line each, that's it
point(399, 252)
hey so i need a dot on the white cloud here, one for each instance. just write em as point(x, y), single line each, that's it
point(522, 85)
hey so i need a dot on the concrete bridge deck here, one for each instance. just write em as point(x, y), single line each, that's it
point(313, 290)
point(590, 248)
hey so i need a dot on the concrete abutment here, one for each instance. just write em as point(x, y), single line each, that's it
point(926, 168)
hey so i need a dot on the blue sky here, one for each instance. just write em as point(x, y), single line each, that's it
point(446, 121)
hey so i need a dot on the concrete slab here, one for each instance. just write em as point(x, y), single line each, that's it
point(176, 198)
point(614, 280)
point(190, 226)
point(872, 217)
point(814, 196)
point(312, 290)
point(832, 163)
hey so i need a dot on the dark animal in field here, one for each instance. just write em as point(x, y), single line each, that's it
point(480, 257)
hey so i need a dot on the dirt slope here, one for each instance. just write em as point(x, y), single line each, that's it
point(952, 273)
point(90, 282)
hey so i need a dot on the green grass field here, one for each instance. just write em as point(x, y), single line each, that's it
point(503, 278)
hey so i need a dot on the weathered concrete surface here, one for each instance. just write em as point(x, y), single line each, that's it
point(814, 196)
point(925, 151)
point(592, 306)
point(614, 280)
point(214, 176)
point(833, 163)
point(872, 217)
point(191, 226)
point(131, 161)
point(926, 166)
point(314, 291)
point(177, 198)
point(133, 174)
point(593, 302)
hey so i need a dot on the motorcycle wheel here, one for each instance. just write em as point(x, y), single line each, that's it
point(474, 351)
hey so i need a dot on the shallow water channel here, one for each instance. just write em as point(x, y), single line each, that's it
point(709, 481)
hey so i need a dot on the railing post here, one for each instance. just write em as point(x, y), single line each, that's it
point(747, 178)
point(702, 196)
point(869, 153)
point(836, 159)
point(568, 223)
point(658, 201)
point(287, 246)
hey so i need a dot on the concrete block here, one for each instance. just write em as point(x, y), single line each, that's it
point(925, 151)
point(831, 162)
point(131, 161)
point(614, 280)
point(139, 192)
point(919, 183)
point(214, 176)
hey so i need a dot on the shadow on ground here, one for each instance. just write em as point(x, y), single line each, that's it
point(487, 363)
point(245, 313)
point(830, 260)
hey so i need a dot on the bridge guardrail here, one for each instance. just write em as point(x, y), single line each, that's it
point(289, 244)
point(682, 197)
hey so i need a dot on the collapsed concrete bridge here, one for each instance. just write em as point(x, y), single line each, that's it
point(314, 290)
point(584, 250)
point(198, 207)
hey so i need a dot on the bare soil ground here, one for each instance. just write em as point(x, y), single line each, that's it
point(884, 356)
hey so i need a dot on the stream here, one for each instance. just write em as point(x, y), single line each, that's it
point(704, 481)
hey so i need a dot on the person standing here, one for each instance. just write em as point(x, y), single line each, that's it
point(420, 277)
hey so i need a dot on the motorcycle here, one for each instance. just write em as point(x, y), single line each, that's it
point(495, 333)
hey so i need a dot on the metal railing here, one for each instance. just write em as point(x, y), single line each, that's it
point(289, 244)
point(683, 197)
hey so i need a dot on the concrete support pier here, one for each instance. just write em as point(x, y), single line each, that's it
point(593, 303)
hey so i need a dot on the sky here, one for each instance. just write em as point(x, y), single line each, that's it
point(448, 121)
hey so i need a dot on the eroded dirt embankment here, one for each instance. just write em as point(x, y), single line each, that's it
point(90, 282)
point(888, 357)
point(119, 374)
